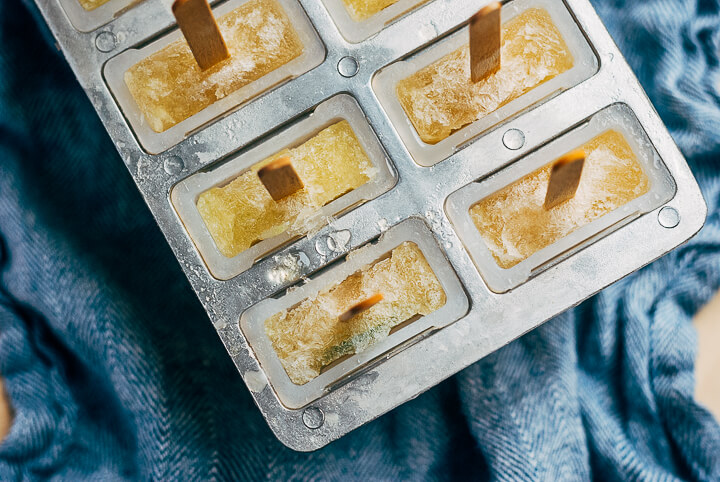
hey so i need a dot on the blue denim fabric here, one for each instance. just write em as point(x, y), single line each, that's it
point(116, 373)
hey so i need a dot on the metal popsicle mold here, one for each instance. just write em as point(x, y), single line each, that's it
point(492, 319)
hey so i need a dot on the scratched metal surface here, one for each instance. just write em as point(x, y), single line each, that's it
point(493, 320)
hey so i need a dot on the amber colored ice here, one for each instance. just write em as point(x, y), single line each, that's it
point(92, 4)
point(309, 336)
point(169, 87)
point(242, 212)
point(514, 224)
point(364, 9)
point(440, 98)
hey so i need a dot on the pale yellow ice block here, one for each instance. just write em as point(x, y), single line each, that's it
point(364, 9)
point(514, 224)
point(92, 4)
point(440, 98)
point(169, 87)
point(242, 213)
point(309, 336)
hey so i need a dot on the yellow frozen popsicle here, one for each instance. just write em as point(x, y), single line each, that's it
point(309, 336)
point(364, 9)
point(90, 5)
point(169, 86)
point(440, 98)
point(514, 224)
point(242, 213)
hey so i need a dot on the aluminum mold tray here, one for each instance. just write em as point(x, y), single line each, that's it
point(493, 319)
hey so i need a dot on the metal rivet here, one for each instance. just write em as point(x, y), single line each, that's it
point(348, 67)
point(514, 139)
point(174, 165)
point(105, 41)
point(313, 417)
point(668, 217)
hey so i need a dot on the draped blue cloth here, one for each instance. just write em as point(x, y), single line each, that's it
point(115, 372)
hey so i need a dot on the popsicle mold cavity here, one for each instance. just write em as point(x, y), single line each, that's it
point(310, 336)
point(241, 213)
point(231, 216)
point(304, 348)
point(514, 224)
point(440, 98)
point(511, 237)
point(169, 86)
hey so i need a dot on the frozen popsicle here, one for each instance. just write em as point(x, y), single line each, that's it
point(514, 223)
point(243, 212)
point(169, 86)
point(92, 4)
point(309, 336)
point(441, 98)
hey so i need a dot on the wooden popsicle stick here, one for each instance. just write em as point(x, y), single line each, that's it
point(485, 42)
point(360, 307)
point(564, 178)
point(198, 25)
point(280, 178)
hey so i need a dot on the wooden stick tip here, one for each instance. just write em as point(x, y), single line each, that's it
point(572, 156)
point(280, 178)
point(564, 180)
point(360, 307)
point(486, 10)
point(485, 41)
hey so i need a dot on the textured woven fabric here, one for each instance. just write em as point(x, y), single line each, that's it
point(116, 373)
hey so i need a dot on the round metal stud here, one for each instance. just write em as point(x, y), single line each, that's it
point(514, 139)
point(313, 417)
point(105, 41)
point(348, 67)
point(669, 217)
point(173, 165)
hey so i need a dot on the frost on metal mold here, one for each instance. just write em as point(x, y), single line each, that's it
point(440, 98)
point(309, 336)
point(169, 86)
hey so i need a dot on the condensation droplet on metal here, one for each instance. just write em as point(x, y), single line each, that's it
point(337, 242)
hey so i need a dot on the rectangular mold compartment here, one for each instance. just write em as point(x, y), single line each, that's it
point(89, 20)
point(385, 82)
point(619, 118)
point(156, 142)
point(357, 29)
point(184, 195)
point(345, 370)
